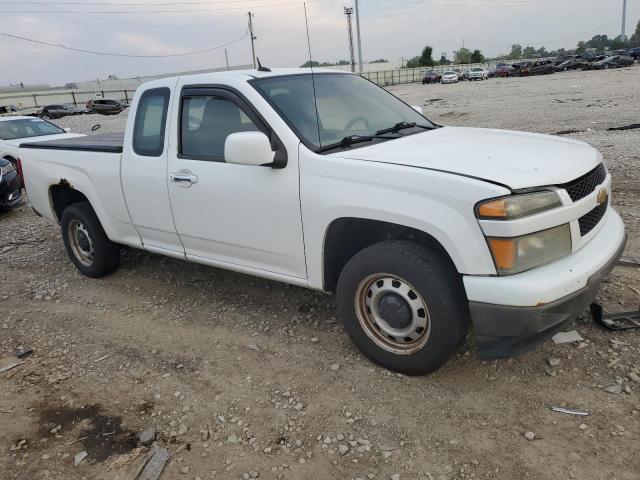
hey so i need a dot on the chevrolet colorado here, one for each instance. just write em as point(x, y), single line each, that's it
point(327, 181)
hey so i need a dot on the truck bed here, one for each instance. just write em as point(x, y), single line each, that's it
point(106, 142)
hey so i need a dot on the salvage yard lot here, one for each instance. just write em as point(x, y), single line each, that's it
point(243, 376)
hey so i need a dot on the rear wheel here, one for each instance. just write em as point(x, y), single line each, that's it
point(404, 306)
point(87, 245)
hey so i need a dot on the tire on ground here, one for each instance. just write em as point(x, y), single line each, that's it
point(437, 282)
point(106, 254)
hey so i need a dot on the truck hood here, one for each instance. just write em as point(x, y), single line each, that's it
point(16, 142)
point(514, 159)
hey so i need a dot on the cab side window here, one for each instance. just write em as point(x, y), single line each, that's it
point(206, 123)
point(151, 119)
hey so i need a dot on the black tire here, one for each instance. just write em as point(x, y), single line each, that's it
point(439, 287)
point(105, 255)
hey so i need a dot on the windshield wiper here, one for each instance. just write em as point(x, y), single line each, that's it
point(351, 140)
point(401, 126)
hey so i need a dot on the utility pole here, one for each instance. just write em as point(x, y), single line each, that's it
point(226, 58)
point(358, 34)
point(253, 37)
point(348, 11)
point(623, 35)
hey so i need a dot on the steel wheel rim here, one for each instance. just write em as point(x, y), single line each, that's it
point(81, 242)
point(404, 340)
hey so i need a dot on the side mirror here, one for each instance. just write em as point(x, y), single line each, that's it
point(248, 148)
point(417, 109)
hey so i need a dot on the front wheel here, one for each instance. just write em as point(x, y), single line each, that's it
point(87, 245)
point(404, 306)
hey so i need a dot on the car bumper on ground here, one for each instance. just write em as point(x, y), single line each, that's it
point(10, 192)
point(519, 322)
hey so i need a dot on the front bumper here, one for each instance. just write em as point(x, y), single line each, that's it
point(504, 330)
point(10, 191)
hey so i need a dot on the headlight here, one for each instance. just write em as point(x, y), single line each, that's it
point(514, 255)
point(4, 169)
point(516, 206)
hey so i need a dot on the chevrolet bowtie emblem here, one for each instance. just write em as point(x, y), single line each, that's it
point(602, 196)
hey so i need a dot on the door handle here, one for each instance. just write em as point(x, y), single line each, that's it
point(184, 178)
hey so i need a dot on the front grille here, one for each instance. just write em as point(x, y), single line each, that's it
point(590, 220)
point(584, 185)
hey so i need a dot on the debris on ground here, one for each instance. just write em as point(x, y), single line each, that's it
point(152, 468)
point(79, 458)
point(567, 337)
point(10, 366)
point(22, 352)
point(615, 321)
point(613, 389)
point(570, 411)
point(530, 436)
point(629, 261)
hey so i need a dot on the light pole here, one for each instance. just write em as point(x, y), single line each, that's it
point(623, 35)
point(348, 11)
point(253, 37)
point(358, 35)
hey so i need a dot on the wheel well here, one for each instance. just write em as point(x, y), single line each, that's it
point(347, 236)
point(63, 195)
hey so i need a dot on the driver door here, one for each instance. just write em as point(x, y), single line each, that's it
point(240, 217)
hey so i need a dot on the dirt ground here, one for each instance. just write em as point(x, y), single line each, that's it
point(242, 377)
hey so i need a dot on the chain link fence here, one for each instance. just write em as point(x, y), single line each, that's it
point(80, 97)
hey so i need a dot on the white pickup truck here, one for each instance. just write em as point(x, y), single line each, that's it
point(329, 182)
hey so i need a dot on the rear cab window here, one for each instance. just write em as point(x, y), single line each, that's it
point(150, 122)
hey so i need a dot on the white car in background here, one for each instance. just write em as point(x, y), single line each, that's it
point(16, 130)
point(478, 73)
point(450, 77)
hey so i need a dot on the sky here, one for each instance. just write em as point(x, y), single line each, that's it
point(390, 29)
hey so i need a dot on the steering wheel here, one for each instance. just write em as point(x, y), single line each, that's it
point(355, 120)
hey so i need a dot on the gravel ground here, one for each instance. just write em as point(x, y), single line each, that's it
point(245, 378)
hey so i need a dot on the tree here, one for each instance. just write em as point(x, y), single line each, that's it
point(462, 56)
point(380, 60)
point(542, 51)
point(444, 60)
point(636, 36)
point(528, 52)
point(426, 59)
point(310, 63)
point(516, 52)
point(477, 57)
point(413, 62)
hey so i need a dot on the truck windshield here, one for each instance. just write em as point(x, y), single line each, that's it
point(348, 107)
point(27, 128)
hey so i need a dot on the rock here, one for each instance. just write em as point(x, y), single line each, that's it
point(530, 436)
point(395, 476)
point(182, 429)
point(634, 377)
point(554, 362)
point(146, 437)
point(253, 347)
point(298, 406)
point(314, 340)
point(614, 389)
point(343, 449)
point(583, 426)
point(253, 474)
point(335, 366)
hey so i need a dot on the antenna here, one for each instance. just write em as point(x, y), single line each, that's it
point(261, 68)
point(313, 81)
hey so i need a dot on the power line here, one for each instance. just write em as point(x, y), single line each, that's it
point(126, 22)
point(113, 54)
point(148, 12)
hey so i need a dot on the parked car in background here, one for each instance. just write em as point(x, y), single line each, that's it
point(634, 52)
point(15, 130)
point(59, 111)
point(10, 186)
point(14, 111)
point(615, 61)
point(478, 73)
point(504, 70)
point(562, 59)
point(574, 63)
point(462, 74)
point(521, 69)
point(450, 76)
point(431, 77)
point(543, 67)
point(105, 106)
